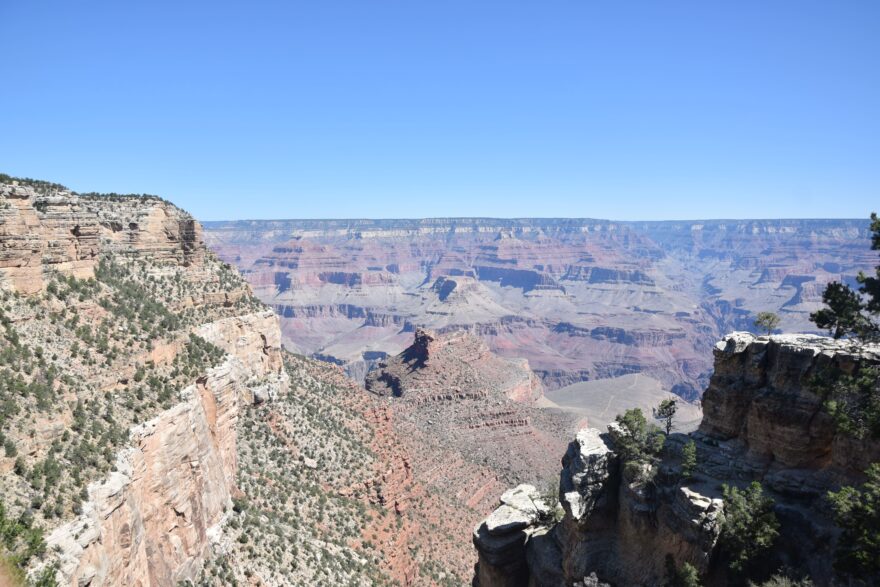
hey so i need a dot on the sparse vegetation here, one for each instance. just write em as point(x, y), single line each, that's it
point(665, 413)
point(20, 539)
point(291, 503)
point(684, 576)
point(550, 495)
point(783, 580)
point(767, 321)
point(100, 355)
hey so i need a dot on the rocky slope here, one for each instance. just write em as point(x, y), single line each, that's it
point(580, 299)
point(469, 420)
point(763, 421)
point(336, 488)
point(128, 353)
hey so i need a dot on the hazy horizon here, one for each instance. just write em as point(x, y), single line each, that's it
point(544, 218)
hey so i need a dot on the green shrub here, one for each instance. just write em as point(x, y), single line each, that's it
point(783, 580)
point(857, 512)
point(684, 576)
point(688, 459)
point(20, 539)
point(639, 441)
point(852, 400)
point(749, 527)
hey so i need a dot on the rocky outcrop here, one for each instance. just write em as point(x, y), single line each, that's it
point(763, 420)
point(455, 363)
point(63, 231)
point(476, 411)
point(586, 467)
point(766, 394)
point(501, 538)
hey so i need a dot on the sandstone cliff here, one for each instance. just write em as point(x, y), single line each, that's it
point(763, 420)
point(153, 520)
point(128, 354)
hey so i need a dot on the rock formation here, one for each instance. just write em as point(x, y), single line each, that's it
point(763, 421)
point(467, 418)
point(128, 353)
point(454, 364)
point(152, 520)
point(67, 232)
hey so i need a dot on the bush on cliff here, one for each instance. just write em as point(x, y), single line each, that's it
point(638, 441)
point(684, 576)
point(749, 527)
point(688, 459)
point(20, 540)
point(782, 580)
point(767, 321)
point(857, 512)
point(852, 400)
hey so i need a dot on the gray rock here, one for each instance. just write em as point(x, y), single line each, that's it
point(587, 466)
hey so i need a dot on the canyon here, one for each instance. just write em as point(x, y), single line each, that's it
point(162, 424)
point(579, 299)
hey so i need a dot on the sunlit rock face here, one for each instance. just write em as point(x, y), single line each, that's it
point(145, 348)
point(66, 232)
point(579, 299)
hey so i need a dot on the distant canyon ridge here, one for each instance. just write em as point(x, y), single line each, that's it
point(580, 299)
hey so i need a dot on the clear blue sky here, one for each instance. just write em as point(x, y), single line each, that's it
point(608, 109)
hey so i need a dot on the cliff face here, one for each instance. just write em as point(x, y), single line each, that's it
point(154, 519)
point(66, 232)
point(129, 352)
point(763, 421)
point(580, 299)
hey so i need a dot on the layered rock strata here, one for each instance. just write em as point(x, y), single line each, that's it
point(67, 232)
point(580, 299)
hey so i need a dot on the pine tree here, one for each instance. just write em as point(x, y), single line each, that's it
point(857, 512)
point(665, 412)
point(688, 459)
point(848, 313)
point(767, 321)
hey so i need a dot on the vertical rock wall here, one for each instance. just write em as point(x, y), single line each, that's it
point(152, 521)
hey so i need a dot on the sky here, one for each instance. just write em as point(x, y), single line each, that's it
point(627, 110)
